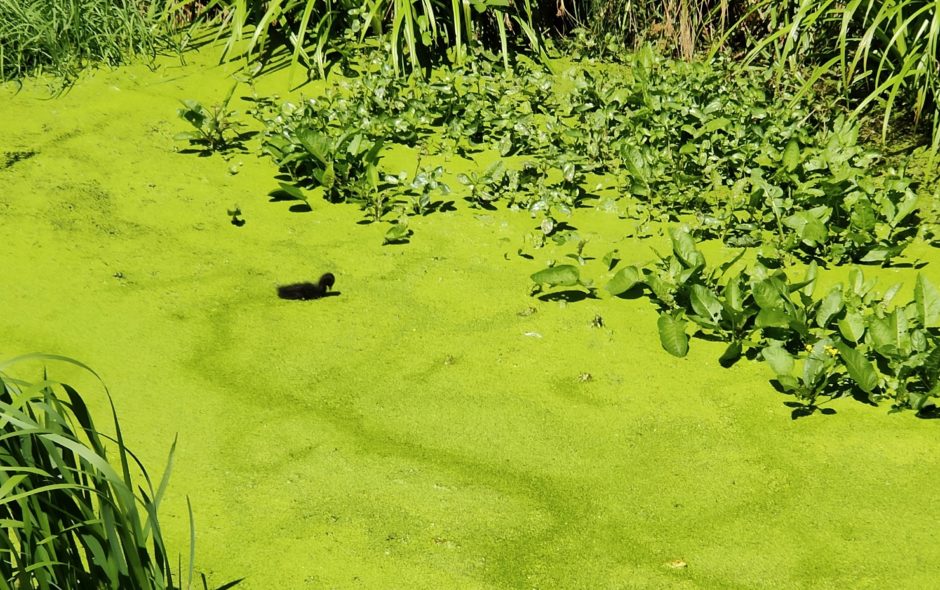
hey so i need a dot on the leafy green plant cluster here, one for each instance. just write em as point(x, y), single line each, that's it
point(751, 161)
point(71, 518)
point(851, 340)
point(752, 164)
point(214, 128)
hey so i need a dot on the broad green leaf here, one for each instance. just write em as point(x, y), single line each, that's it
point(882, 332)
point(927, 300)
point(767, 294)
point(780, 361)
point(814, 368)
point(705, 303)
point(890, 293)
point(809, 280)
point(791, 155)
point(683, 245)
point(715, 125)
point(672, 335)
point(625, 279)
point(889, 335)
point(372, 173)
point(564, 274)
point(772, 318)
point(829, 306)
point(662, 289)
point(733, 295)
point(811, 230)
point(317, 145)
point(328, 176)
point(905, 208)
point(852, 327)
point(860, 368)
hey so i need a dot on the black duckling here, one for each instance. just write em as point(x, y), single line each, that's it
point(304, 291)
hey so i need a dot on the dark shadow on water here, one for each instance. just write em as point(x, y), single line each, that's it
point(634, 292)
point(278, 195)
point(915, 265)
point(562, 226)
point(482, 205)
point(800, 410)
point(929, 412)
point(300, 208)
point(440, 206)
point(570, 295)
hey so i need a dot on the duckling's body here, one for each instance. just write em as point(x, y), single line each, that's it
point(305, 291)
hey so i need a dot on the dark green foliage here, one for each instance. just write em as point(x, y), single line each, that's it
point(753, 164)
point(877, 54)
point(63, 36)
point(412, 35)
point(214, 127)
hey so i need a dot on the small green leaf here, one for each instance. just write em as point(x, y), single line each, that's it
point(293, 191)
point(328, 178)
point(397, 233)
point(715, 125)
point(927, 300)
point(316, 144)
point(610, 259)
point(811, 230)
point(829, 306)
point(791, 155)
point(625, 279)
point(789, 383)
point(852, 327)
point(731, 354)
point(683, 245)
point(672, 335)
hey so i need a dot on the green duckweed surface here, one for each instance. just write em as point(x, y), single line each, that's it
point(433, 426)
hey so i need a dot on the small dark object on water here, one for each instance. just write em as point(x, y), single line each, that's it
point(304, 291)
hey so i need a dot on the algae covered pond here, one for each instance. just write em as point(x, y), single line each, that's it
point(432, 424)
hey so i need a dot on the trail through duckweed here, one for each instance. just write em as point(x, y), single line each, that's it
point(425, 428)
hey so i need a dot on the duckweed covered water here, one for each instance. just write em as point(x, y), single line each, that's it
point(425, 428)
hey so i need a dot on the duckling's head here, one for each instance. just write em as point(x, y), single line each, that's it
point(326, 281)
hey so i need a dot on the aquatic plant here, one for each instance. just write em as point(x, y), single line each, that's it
point(214, 127)
point(63, 36)
point(851, 341)
point(72, 518)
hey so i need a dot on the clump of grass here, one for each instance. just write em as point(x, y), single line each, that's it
point(62, 36)
point(71, 517)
